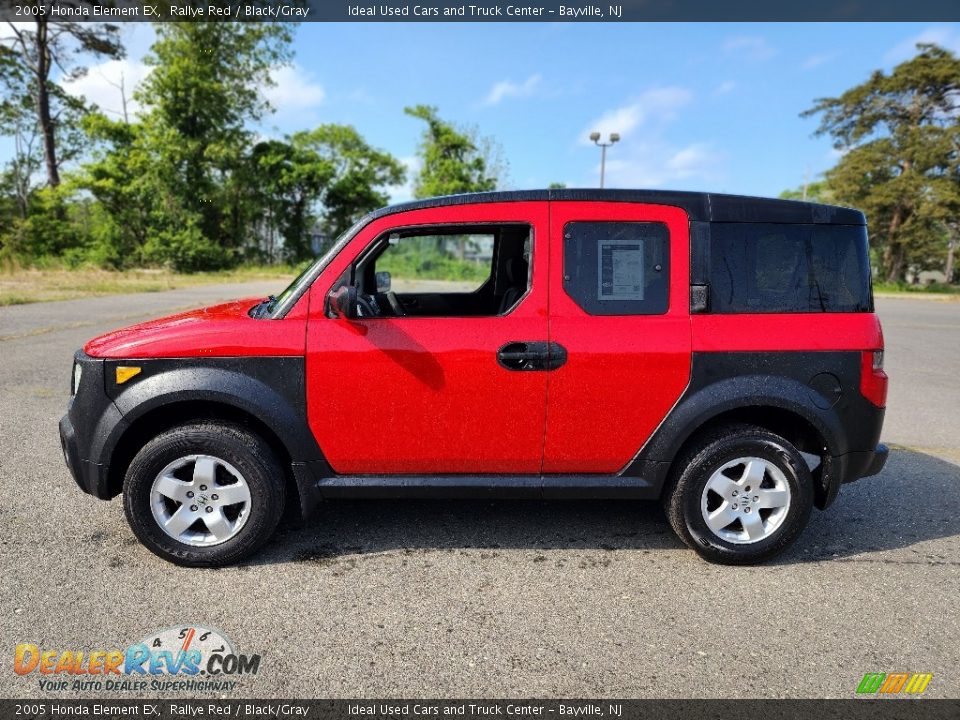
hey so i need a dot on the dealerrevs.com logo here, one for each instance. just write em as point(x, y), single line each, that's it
point(189, 658)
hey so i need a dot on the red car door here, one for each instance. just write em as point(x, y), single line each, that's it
point(619, 305)
point(428, 395)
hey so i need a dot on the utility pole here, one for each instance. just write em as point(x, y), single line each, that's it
point(952, 242)
point(595, 136)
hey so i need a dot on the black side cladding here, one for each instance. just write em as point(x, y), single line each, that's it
point(270, 390)
point(820, 389)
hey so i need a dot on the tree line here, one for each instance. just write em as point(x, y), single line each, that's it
point(898, 135)
point(187, 182)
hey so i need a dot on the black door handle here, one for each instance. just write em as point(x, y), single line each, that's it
point(522, 355)
point(531, 356)
point(556, 356)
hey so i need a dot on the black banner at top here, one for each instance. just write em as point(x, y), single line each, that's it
point(617, 11)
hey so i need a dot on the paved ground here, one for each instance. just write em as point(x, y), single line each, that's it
point(499, 599)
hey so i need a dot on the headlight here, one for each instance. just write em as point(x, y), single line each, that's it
point(77, 372)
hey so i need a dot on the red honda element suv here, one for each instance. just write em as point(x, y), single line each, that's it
point(718, 353)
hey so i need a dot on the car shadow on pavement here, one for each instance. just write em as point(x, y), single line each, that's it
point(911, 501)
point(362, 527)
point(914, 499)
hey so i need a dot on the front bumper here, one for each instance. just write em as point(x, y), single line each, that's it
point(90, 477)
point(91, 417)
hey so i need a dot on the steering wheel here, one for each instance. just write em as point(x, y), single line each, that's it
point(367, 305)
point(395, 305)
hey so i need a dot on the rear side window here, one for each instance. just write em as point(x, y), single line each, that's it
point(617, 268)
point(770, 268)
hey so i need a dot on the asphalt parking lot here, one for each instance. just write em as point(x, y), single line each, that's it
point(503, 599)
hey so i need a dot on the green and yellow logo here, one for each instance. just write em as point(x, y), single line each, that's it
point(894, 683)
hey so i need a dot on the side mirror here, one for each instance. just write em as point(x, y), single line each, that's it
point(383, 282)
point(342, 302)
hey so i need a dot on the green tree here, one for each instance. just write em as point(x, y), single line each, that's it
point(817, 192)
point(451, 162)
point(900, 133)
point(29, 56)
point(205, 90)
point(122, 177)
point(286, 180)
point(16, 116)
point(360, 175)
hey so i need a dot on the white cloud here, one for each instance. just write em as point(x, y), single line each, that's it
point(695, 160)
point(657, 105)
point(658, 163)
point(650, 159)
point(621, 120)
point(752, 47)
point(724, 88)
point(107, 83)
point(943, 36)
point(508, 89)
point(404, 192)
point(817, 60)
point(15, 26)
point(294, 90)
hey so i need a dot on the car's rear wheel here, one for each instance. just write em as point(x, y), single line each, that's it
point(204, 494)
point(740, 495)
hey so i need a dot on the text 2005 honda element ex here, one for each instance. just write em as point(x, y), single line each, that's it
point(718, 353)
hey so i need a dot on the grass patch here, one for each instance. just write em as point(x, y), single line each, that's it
point(933, 291)
point(934, 288)
point(19, 286)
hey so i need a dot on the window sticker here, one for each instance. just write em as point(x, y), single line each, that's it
point(619, 269)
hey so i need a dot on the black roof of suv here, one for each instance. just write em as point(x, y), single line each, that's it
point(700, 206)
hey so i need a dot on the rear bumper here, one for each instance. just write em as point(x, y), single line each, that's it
point(879, 459)
point(864, 464)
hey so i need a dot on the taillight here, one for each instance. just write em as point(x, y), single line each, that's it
point(873, 380)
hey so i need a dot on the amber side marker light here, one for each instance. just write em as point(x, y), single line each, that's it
point(125, 372)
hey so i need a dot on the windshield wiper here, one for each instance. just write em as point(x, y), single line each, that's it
point(263, 307)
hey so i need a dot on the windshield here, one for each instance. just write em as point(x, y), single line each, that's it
point(288, 298)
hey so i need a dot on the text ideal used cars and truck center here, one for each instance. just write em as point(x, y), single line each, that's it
point(718, 353)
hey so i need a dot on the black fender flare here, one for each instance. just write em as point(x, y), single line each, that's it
point(698, 406)
point(226, 387)
point(270, 390)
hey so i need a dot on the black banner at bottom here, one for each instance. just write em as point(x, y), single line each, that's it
point(853, 709)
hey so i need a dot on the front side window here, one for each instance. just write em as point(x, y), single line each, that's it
point(469, 270)
point(449, 263)
point(617, 268)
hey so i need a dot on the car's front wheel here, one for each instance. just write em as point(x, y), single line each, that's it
point(740, 496)
point(204, 494)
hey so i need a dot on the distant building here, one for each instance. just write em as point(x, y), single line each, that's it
point(319, 240)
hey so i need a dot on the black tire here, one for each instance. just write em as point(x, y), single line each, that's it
point(692, 471)
point(239, 447)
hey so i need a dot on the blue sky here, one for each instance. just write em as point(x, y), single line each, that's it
point(699, 106)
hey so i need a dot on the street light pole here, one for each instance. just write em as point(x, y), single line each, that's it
point(595, 136)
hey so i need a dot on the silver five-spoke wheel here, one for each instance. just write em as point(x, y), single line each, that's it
point(200, 500)
point(746, 500)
